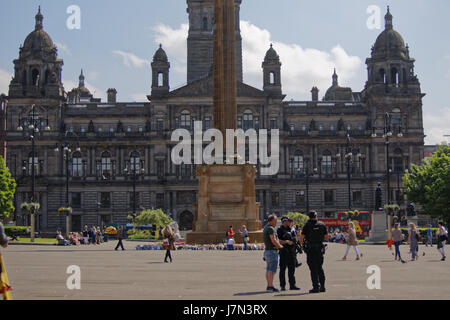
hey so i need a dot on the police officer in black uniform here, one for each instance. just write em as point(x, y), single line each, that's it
point(287, 254)
point(313, 234)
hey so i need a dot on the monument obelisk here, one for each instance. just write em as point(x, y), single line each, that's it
point(226, 192)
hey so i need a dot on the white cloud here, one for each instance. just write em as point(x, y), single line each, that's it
point(62, 48)
point(436, 126)
point(302, 68)
point(174, 42)
point(131, 60)
point(5, 79)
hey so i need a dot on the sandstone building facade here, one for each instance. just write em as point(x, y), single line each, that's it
point(110, 138)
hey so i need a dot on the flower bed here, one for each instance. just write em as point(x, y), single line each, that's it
point(198, 247)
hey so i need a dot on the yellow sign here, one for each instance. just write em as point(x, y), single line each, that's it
point(357, 226)
point(5, 288)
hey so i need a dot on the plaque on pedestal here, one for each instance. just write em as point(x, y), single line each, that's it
point(378, 231)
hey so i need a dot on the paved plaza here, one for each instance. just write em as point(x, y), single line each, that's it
point(39, 272)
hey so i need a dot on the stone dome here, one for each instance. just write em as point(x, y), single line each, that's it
point(160, 55)
point(389, 43)
point(271, 55)
point(38, 40)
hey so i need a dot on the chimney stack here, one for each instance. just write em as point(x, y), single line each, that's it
point(315, 94)
point(112, 95)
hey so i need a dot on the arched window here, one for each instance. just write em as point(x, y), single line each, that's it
point(394, 76)
point(298, 164)
point(382, 75)
point(77, 167)
point(326, 162)
point(24, 78)
point(248, 119)
point(106, 164)
point(47, 75)
point(205, 24)
point(135, 161)
point(160, 79)
point(185, 121)
point(35, 77)
point(272, 78)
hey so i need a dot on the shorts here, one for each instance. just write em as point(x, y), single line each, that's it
point(271, 257)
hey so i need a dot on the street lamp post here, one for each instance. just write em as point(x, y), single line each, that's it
point(67, 155)
point(308, 174)
point(134, 171)
point(31, 126)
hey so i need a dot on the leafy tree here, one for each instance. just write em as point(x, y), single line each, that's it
point(7, 190)
point(153, 217)
point(300, 219)
point(429, 184)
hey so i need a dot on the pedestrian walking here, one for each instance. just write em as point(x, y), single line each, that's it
point(271, 246)
point(352, 241)
point(287, 254)
point(413, 241)
point(168, 242)
point(120, 237)
point(313, 234)
point(397, 237)
point(245, 238)
point(442, 239)
point(429, 237)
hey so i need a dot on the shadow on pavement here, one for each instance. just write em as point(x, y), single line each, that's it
point(251, 293)
point(291, 294)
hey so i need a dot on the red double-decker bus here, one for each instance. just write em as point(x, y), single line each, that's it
point(362, 223)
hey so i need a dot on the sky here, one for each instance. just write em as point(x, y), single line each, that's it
point(117, 40)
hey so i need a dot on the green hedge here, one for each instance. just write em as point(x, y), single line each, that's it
point(422, 231)
point(17, 231)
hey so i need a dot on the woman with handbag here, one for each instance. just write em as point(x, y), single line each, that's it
point(442, 239)
point(397, 237)
point(352, 241)
point(168, 242)
point(413, 241)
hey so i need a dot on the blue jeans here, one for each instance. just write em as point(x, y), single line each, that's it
point(271, 257)
point(245, 245)
point(397, 249)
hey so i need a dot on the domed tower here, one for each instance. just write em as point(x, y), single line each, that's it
point(336, 92)
point(160, 73)
point(200, 46)
point(80, 94)
point(390, 68)
point(37, 72)
point(272, 72)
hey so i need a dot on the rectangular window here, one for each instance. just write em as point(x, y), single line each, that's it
point(357, 197)
point(160, 200)
point(239, 123)
point(159, 125)
point(105, 199)
point(129, 129)
point(256, 123)
point(273, 123)
point(292, 127)
point(82, 129)
point(111, 129)
point(329, 215)
point(140, 129)
point(138, 198)
point(328, 196)
point(76, 200)
point(300, 198)
point(160, 168)
point(207, 123)
point(275, 199)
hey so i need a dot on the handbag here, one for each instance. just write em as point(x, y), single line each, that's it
point(246, 239)
point(166, 242)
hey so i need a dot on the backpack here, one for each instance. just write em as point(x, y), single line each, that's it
point(418, 237)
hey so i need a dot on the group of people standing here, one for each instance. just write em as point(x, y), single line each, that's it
point(281, 247)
